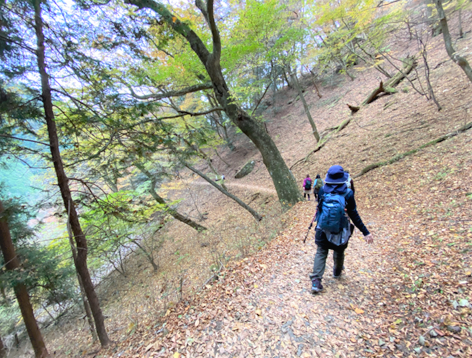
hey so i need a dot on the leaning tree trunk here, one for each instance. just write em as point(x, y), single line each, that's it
point(63, 183)
point(87, 310)
point(284, 181)
point(21, 293)
point(160, 200)
point(294, 79)
point(228, 194)
point(3, 352)
point(461, 61)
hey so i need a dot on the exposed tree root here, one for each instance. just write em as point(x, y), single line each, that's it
point(413, 151)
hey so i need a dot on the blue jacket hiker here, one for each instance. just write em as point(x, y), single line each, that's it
point(333, 228)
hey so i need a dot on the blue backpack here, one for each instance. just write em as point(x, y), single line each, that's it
point(332, 217)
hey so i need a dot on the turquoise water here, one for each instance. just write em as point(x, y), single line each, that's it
point(18, 180)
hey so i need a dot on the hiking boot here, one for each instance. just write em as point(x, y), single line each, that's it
point(337, 272)
point(316, 286)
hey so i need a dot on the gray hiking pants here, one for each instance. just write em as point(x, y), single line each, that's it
point(320, 262)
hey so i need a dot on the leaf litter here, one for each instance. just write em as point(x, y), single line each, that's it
point(407, 295)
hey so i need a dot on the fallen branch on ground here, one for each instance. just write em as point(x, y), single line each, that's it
point(388, 88)
point(413, 151)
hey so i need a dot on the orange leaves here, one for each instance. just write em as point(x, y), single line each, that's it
point(358, 310)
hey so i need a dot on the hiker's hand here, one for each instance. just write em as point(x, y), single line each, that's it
point(369, 239)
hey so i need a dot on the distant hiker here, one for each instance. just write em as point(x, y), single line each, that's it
point(223, 177)
point(307, 186)
point(350, 183)
point(318, 184)
point(333, 228)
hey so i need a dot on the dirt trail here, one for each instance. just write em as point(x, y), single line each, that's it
point(254, 188)
point(275, 314)
point(406, 295)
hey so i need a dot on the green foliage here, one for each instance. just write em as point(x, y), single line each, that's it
point(349, 29)
point(49, 279)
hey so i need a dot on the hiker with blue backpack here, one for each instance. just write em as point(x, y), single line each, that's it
point(307, 187)
point(333, 228)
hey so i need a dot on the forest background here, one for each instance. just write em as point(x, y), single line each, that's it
point(111, 112)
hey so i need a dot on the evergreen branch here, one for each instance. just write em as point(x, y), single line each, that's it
point(94, 155)
point(24, 139)
point(177, 93)
point(178, 26)
point(181, 114)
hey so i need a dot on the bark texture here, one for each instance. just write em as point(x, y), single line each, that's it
point(461, 61)
point(63, 183)
point(284, 181)
point(87, 310)
point(21, 293)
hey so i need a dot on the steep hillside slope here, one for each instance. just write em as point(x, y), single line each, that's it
point(407, 294)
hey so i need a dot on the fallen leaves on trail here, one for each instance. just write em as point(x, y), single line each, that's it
point(408, 294)
point(358, 311)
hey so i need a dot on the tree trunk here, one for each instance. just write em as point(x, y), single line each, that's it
point(427, 77)
point(87, 310)
point(3, 352)
point(235, 198)
point(408, 65)
point(294, 79)
point(284, 181)
point(63, 183)
point(21, 293)
point(286, 78)
point(176, 214)
point(148, 255)
point(373, 96)
point(160, 200)
point(461, 61)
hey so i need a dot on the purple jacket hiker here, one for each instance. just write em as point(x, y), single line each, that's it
point(305, 190)
point(304, 181)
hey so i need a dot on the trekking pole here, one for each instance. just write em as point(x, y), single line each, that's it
point(309, 228)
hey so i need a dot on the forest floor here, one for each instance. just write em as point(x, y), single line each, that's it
point(242, 289)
